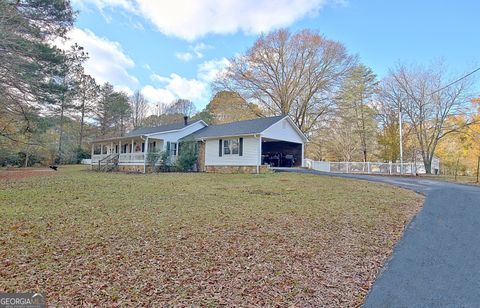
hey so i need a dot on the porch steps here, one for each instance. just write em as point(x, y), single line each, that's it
point(109, 163)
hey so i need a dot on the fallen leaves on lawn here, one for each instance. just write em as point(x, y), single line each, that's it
point(198, 239)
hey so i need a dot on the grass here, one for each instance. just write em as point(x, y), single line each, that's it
point(86, 238)
point(462, 179)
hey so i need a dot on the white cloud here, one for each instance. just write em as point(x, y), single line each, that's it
point(196, 51)
point(208, 70)
point(107, 60)
point(184, 56)
point(191, 20)
point(103, 4)
point(180, 87)
point(175, 86)
point(157, 95)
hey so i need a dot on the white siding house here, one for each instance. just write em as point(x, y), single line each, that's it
point(249, 157)
point(129, 152)
point(243, 146)
point(253, 145)
point(284, 130)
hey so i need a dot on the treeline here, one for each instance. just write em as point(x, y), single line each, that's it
point(51, 109)
point(345, 110)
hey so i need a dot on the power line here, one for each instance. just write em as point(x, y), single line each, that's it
point(451, 83)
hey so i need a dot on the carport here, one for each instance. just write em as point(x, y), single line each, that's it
point(280, 153)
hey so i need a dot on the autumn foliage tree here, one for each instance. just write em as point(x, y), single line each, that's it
point(226, 107)
point(426, 104)
point(294, 74)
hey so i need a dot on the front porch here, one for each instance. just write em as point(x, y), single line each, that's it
point(125, 151)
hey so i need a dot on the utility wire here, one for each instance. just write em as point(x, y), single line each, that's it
point(451, 83)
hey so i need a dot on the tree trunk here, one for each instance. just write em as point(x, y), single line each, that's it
point(428, 165)
point(26, 158)
point(60, 139)
point(82, 123)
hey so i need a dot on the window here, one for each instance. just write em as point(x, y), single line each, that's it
point(173, 148)
point(152, 147)
point(230, 147)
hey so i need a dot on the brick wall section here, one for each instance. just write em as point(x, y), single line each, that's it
point(201, 156)
point(137, 168)
point(209, 169)
point(236, 169)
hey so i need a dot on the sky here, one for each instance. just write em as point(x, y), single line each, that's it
point(170, 49)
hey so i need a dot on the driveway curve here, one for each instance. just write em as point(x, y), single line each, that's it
point(437, 260)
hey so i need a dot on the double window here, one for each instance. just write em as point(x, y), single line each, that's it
point(231, 147)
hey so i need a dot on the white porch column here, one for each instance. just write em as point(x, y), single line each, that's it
point(303, 155)
point(259, 162)
point(91, 156)
point(132, 150)
point(111, 147)
point(145, 152)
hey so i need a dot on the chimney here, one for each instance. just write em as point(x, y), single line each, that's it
point(185, 120)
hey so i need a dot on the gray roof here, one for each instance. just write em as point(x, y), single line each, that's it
point(157, 129)
point(248, 127)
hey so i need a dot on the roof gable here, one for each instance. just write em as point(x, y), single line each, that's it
point(247, 127)
point(158, 129)
point(285, 130)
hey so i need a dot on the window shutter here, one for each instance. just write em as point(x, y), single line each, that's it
point(220, 149)
point(240, 147)
point(143, 146)
point(168, 147)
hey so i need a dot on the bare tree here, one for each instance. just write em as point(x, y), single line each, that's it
point(295, 74)
point(342, 141)
point(182, 106)
point(139, 106)
point(426, 104)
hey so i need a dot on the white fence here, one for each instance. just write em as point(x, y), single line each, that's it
point(365, 167)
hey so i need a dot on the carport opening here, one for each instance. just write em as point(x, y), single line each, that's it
point(278, 153)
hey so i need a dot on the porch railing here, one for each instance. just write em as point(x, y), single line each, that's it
point(122, 158)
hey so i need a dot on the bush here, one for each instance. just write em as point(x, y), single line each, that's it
point(187, 156)
point(159, 161)
point(8, 158)
point(81, 153)
point(33, 159)
point(165, 161)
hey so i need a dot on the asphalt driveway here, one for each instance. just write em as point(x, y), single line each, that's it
point(437, 261)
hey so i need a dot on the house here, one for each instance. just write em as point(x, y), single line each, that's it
point(127, 153)
point(250, 146)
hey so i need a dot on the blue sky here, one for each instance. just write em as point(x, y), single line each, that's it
point(170, 49)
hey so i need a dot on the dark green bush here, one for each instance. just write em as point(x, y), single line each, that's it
point(187, 156)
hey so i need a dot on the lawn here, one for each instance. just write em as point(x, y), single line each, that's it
point(461, 179)
point(87, 238)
